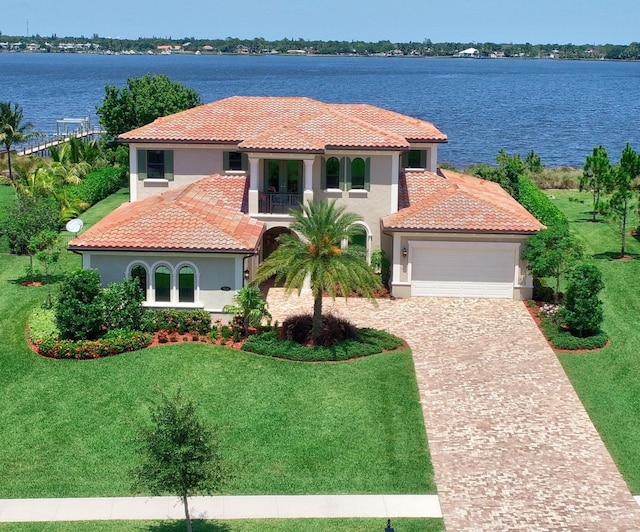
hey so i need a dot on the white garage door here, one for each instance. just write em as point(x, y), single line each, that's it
point(462, 269)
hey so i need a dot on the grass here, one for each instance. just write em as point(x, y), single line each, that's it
point(288, 428)
point(608, 381)
point(7, 194)
point(240, 525)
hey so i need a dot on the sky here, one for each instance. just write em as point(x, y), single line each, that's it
point(499, 21)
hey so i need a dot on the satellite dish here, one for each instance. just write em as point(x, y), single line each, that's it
point(74, 226)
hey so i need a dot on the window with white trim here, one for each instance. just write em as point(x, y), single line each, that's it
point(155, 164)
point(162, 282)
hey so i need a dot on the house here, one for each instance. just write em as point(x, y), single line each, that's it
point(469, 52)
point(211, 189)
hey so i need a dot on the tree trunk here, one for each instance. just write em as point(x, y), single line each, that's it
point(596, 202)
point(316, 324)
point(186, 512)
point(624, 229)
point(9, 163)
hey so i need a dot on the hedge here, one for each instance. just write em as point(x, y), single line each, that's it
point(180, 321)
point(98, 185)
point(563, 339)
point(538, 204)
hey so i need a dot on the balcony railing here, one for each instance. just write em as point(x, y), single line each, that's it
point(279, 203)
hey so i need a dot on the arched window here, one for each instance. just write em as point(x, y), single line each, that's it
point(357, 173)
point(162, 277)
point(186, 285)
point(333, 172)
point(359, 240)
point(139, 274)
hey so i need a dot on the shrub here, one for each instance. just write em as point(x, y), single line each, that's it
point(334, 329)
point(122, 305)
point(42, 324)
point(180, 321)
point(542, 292)
point(98, 185)
point(368, 342)
point(563, 339)
point(582, 312)
point(79, 310)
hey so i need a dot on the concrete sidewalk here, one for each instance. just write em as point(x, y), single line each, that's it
point(219, 507)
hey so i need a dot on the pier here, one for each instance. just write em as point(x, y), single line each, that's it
point(40, 145)
point(66, 129)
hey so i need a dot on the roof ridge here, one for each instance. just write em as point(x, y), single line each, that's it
point(363, 123)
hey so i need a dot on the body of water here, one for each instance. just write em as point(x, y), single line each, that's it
point(560, 109)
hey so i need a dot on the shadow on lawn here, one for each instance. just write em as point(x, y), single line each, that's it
point(180, 526)
point(615, 256)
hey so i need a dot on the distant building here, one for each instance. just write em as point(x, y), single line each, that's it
point(469, 52)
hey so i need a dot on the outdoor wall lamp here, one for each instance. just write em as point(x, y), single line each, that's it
point(404, 253)
point(246, 275)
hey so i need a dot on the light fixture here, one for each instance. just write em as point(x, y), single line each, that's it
point(246, 275)
point(404, 253)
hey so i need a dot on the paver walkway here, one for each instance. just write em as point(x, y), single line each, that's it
point(219, 507)
point(511, 444)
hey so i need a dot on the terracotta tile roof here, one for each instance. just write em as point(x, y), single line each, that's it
point(449, 201)
point(204, 216)
point(288, 124)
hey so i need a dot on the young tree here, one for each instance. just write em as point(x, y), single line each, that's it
point(47, 249)
point(552, 253)
point(316, 253)
point(180, 452)
point(582, 310)
point(596, 176)
point(250, 307)
point(623, 184)
point(13, 129)
point(26, 218)
point(510, 169)
point(141, 102)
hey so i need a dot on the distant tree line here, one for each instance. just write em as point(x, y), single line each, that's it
point(258, 45)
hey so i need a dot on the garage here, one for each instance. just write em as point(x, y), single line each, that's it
point(463, 269)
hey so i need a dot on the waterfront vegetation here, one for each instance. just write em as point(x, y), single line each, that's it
point(233, 45)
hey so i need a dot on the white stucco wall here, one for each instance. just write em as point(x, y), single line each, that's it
point(213, 272)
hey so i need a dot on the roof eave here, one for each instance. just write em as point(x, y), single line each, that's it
point(161, 250)
point(463, 231)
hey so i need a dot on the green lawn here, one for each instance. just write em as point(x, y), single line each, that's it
point(608, 381)
point(6, 198)
point(288, 428)
point(241, 525)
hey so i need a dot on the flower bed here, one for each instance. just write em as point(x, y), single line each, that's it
point(113, 343)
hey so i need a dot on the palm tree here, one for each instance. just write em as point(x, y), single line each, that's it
point(12, 129)
point(317, 253)
point(250, 306)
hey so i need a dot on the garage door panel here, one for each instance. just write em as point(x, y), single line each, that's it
point(463, 271)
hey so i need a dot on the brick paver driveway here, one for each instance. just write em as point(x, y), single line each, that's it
point(511, 444)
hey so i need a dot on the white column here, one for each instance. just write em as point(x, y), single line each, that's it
point(432, 159)
point(397, 259)
point(133, 173)
point(395, 176)
point(254, 165)
point(308, 181)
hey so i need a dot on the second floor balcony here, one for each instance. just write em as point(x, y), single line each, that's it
point(279, 203)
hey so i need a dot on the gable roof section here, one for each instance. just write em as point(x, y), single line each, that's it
point(202, 217)
point(454, 202)
point(289, 124)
